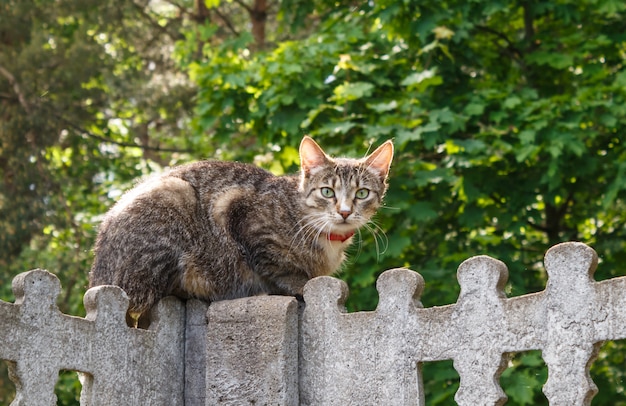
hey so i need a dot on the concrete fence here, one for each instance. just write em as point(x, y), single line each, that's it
point(272, 350)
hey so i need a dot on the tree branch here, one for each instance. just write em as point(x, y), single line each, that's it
point(244, 5)
point(155, 24)
point(120, 143)
point(226, 21)
point(16, 89)
point(537, 226)
point(259, 18)
point(514, 52)
point(510, 45)
point(180, 8)
point(529, 29)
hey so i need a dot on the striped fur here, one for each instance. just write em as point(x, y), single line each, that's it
point(222, 230)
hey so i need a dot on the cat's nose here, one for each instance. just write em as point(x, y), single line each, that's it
point(345, 213)
point(344, 209)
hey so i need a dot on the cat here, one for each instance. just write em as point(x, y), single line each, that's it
point(221, 230)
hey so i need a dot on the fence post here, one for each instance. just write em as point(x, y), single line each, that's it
point(120, 365)
point(195, 352)
point(252, 351)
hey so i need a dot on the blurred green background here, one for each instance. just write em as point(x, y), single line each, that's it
point(507, 117)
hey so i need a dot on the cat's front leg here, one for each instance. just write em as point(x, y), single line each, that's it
point(286, 282)
point(278, 270)
point(272, 281)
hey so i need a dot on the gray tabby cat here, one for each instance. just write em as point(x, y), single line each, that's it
point(222, 230)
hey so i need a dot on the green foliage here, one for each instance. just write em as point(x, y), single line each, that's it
point(86, 105)
point(441, 382)
point(522, 380)
point(68, 389)
point(506, 117)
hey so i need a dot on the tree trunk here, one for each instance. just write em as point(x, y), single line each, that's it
point(258, 15)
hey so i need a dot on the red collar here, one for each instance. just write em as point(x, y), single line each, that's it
point(339, 237)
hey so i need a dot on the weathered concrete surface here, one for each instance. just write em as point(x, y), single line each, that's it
point(195, 352)
point(122, 365)
point(364, 358)
point(263, 351)
point(371, 358)
point(252, 351)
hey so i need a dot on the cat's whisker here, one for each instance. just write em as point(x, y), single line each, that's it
point(389, 208)
point(384, 242)
point(306, 232)
point(360, 243)
point(380, 231)
point(369, 148)
point(373, 232)
point(300, 229)
point(308, 220)
point(301, 237)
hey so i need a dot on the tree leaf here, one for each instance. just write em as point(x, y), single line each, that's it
point(352, 91)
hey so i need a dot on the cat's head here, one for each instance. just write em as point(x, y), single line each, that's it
point(342, 194)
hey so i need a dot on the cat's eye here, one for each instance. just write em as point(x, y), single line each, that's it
point(362, 193)
point(327, 192)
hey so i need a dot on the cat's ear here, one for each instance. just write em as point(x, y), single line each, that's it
point(380, 160)
point(311, 155)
